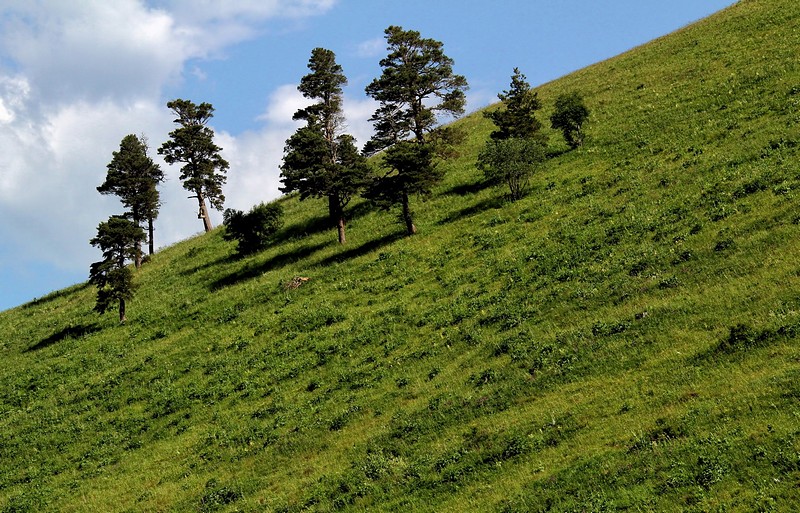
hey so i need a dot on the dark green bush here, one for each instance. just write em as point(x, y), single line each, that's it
point(253, 230)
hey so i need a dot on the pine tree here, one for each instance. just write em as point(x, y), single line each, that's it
point(203, 171)
point(416, 86)
point(410, 169)
point(517, 116)
point(319, 160)
point(517, 146)
point(119, 239)
point(134, 177)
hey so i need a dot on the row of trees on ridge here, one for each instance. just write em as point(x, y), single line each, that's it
point(416, 91)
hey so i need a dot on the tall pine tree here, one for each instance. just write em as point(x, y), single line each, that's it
point(319, 160)
point(134, 177)
point(416, 86)
point(192, 144)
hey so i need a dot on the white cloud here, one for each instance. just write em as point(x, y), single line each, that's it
point(202, 11)
point(76, 77)
point(56, 167)
point(14, 91)
point(126, 48)
point(283, 103)
point(371, 48)
point(357, 113)
point(255, 157)
point(92, 49)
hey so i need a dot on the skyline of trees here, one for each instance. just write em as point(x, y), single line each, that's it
point(416, 91)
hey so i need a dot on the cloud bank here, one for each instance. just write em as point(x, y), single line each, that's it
point(76, 77)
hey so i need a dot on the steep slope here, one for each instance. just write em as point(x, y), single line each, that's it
point(625, 337)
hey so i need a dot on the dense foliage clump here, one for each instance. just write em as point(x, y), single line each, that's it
point(512, 162)
point(569, 116)
point(252, 230)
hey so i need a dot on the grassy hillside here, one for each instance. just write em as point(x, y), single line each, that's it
point(624, 338)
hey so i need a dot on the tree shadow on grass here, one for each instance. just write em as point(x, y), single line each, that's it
point(78, 331)
point(280, 260)
point(312, 226)
point(322, 223)
point(557, 152)
point(361, 250)
point(467, 188)
point(229, 259)
point(477, 208)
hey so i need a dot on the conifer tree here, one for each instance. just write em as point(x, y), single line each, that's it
point(517, 146)
point(119, 239)
point(319, 160)
point(133, 176)
point(192, 144)
point(417, 84)
point(517, 115)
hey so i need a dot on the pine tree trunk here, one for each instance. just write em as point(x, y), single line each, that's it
point(204, 213)
point(340, 226)
point(137, 258)
point(333, 210)
point(150, 235)
point(122, 317)
point(410, 228)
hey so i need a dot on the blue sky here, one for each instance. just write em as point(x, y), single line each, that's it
point(76, 77)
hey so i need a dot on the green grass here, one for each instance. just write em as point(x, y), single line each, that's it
point(624, 338)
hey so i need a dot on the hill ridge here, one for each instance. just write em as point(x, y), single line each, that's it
point(622, 338)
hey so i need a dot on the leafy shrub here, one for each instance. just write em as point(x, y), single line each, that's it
point(341, 420)
point(511, 161)
point(669, 282)
point(662, 433)
point(742, 336)
point(484, 378)
point(569, 116)
point(606, 329)
point(253, 229)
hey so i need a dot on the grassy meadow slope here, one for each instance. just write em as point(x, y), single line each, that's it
point(625, 337)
